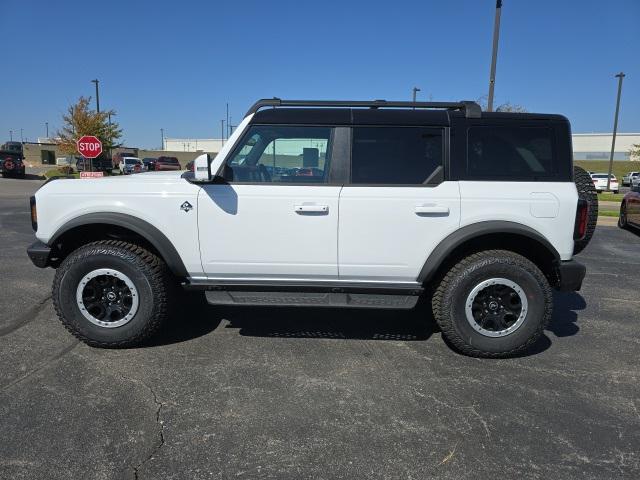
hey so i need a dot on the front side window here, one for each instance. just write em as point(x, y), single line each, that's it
point(523, 153)
point(289, 154)
point(395, 155)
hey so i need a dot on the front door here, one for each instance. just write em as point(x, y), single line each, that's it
point(397, 207)
point(276, 216)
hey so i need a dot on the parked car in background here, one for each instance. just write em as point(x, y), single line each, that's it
point(628, 178)
point(600, 182)
point(15, 147)
point(11, 164)
point(167, 163)
point(630, 209)
point(635, 181)
point(130, 165)
point(68, 161)
point(189, 166)
point(98, 164)
point(118, 156)
point(149, 163)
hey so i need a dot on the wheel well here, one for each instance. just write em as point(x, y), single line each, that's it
point(528, 247)
point(73, 238)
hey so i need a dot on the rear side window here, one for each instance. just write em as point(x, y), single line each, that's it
point(395, 155)
point(511, 153)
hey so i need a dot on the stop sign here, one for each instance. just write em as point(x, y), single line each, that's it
point(89, 146)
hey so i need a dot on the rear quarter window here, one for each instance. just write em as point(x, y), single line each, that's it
point(523, 153)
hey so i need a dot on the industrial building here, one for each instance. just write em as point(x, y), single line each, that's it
point(597, 146)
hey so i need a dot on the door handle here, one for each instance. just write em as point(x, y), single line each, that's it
point(436, 209)
point(311, 208)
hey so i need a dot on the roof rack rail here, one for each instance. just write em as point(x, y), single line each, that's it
point(470, 108)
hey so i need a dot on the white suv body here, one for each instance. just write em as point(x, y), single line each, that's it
point(275, 218)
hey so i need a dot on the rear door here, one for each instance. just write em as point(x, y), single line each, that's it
point(398, 205)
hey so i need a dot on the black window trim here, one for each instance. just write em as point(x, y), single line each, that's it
point(445, 130)
point(335, 178)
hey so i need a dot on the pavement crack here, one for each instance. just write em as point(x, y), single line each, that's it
point(26, 317)
point(161, 441)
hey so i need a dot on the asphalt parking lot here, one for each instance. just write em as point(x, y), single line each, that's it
point(304, 393)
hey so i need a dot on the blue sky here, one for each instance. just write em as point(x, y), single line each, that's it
point(174, 65)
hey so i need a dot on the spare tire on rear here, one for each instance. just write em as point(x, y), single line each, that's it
point(586, 191)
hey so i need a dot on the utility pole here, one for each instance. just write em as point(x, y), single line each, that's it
point(21, 139)
point(619, 76)
point(494, 55)
point(415, 91)
point(96, 81)
point(222, 131)
point(227, 118)
point(162, 137)
point(47, 126)
point(11, 135)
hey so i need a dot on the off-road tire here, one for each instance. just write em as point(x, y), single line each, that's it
point(586, 191)
point(149, 274)
point(449, 298)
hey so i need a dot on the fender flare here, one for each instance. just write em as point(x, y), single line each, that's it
point(475, 230)
point(143, 228)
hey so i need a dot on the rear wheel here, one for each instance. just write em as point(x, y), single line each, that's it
point(112, 293)
point(586, 191)
point(493, 304)
point(622, 219)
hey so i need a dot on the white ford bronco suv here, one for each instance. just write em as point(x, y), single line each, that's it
point(360, 204)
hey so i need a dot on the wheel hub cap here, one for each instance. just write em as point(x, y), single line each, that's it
point(107, 298)
point(496, 307)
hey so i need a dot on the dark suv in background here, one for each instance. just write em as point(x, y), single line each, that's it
point(11, 164)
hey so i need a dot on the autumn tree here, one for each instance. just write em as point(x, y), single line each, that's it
point(81, 120)
point(634, 153)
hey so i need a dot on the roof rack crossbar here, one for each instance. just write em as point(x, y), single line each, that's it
point(471, 108)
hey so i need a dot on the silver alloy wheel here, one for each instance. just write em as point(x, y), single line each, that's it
point(107, 298)
point(496, 307)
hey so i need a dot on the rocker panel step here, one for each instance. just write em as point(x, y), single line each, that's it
point(311, 299)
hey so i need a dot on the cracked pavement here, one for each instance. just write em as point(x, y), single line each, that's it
point(311, 393)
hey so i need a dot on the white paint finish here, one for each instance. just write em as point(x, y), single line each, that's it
point(512, 201)
point(258, 231)
point(154, 197)
point(386, 233)
point(544, 205)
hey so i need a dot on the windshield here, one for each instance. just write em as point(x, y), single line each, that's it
point(131, 161)
point(603, 175)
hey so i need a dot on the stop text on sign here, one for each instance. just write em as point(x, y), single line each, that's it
point(89, 146)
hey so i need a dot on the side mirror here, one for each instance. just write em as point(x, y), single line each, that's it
point(202, 168)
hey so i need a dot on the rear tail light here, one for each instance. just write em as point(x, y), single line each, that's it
point(582, 217)
point(34, 213)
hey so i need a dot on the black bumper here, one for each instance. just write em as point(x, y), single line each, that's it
point(40, 254)
point(571, 274)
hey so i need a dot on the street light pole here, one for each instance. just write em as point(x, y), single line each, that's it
point(21, 138)
point(96, 81)
point(47, 125)
point(162, 137)
point(222, 131)
point(415, 91)
point(11, 135)
point(494, 55)
point(619, 76)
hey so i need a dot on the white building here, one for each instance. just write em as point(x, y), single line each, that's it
point(209, 145)
point(586, 146)
point(597, 146)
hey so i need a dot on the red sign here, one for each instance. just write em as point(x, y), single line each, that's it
point(89, 146)
point(91, 174)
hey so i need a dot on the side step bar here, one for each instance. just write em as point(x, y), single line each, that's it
point(311, 294)
point(310, 299)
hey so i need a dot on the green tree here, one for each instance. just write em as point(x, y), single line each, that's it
point(81, 120)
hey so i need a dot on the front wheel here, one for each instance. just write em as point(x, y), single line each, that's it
point(112, 293)
point(622, 219)
point(493, 304)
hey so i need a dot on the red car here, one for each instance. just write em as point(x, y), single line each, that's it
point(630, 209)
point(11, 164)
point(167, 163)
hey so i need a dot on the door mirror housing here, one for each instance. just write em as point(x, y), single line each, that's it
point(202, 168)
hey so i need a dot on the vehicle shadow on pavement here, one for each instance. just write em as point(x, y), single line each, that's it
point(194, 318)
point(330, 323)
